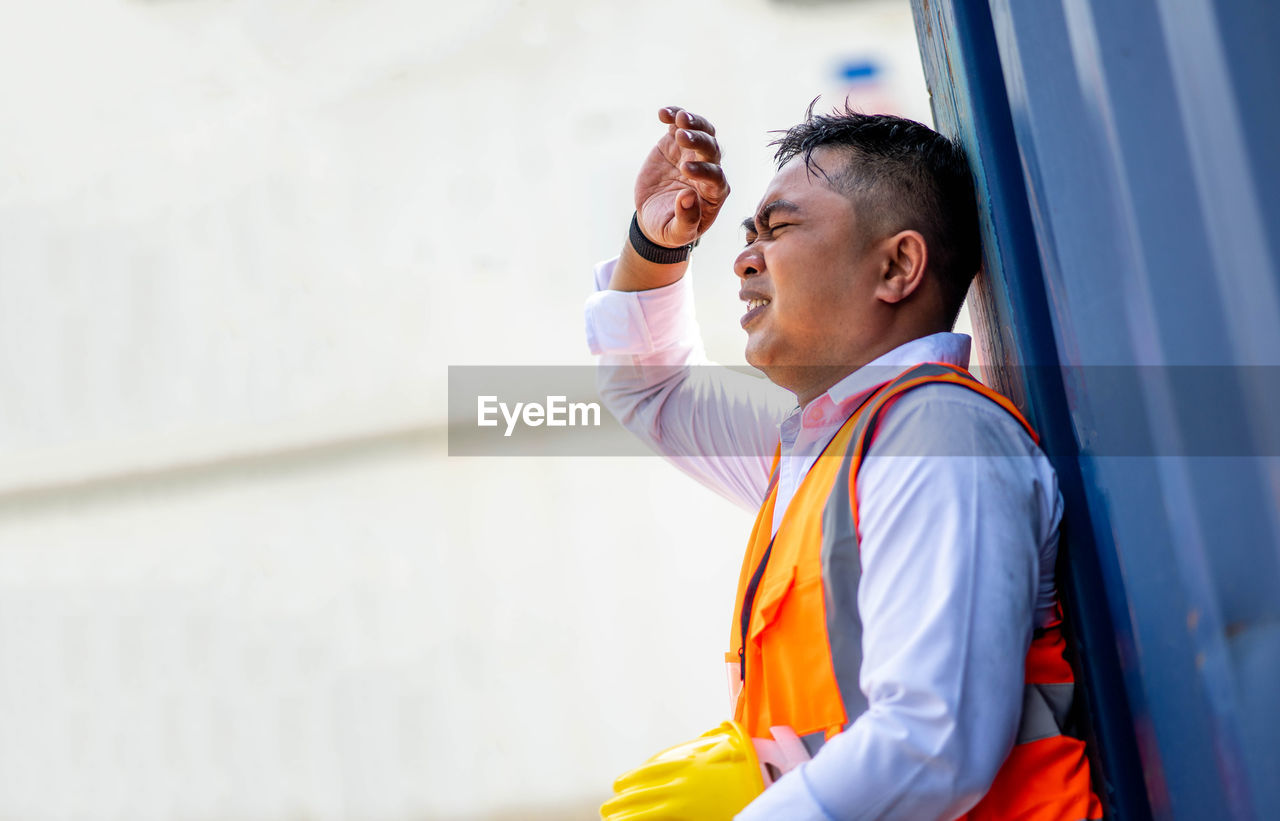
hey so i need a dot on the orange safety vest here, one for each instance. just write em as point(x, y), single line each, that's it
point(797, 671)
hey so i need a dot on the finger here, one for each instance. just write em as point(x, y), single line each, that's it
point(700, 143)
point(709, 180)
point(668, 114)
point(687, 119)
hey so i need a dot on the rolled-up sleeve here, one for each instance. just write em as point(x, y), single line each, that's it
point(642, 323)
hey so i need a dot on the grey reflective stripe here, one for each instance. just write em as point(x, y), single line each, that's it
point(841, 573)
point(1045, 711)
point(841, 562)
point(872, 417)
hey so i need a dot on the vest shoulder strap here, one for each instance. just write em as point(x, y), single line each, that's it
point(927, 373)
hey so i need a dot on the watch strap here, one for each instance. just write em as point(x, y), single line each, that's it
point(660, 254)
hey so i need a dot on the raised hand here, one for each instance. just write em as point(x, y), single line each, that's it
point(681, 185)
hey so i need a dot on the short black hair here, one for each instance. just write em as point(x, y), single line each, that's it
point(902, 175)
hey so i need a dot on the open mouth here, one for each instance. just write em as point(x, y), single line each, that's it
point(754, 308)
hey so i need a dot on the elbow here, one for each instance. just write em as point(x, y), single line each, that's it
point(972, 783)
point(973, 764)
point(622, 396)
point(960, 762)
point(635, 394)
point(614, 392)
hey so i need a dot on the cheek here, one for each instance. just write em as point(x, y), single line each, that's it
point(815, 297)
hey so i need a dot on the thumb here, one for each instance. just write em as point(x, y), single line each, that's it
point(688, 214)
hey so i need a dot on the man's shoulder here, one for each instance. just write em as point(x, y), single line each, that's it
point(947, 419)
point(943, 449)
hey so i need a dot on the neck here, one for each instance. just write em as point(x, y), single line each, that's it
point(808, 382)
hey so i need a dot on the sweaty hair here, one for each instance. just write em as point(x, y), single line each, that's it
point(901, 175)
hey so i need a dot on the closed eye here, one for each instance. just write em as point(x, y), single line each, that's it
point(768, 232)
point(766, 229)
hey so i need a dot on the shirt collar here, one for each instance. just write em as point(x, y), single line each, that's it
point(840, 400)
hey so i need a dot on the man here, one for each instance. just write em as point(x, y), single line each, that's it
point(896, 610)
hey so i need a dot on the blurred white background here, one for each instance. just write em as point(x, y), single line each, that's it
point(240, 244)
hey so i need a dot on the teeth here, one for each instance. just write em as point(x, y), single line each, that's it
point(752, 304)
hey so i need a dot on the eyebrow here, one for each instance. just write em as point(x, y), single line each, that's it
point(749, 223)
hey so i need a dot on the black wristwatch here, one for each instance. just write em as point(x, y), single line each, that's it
point(647, 249)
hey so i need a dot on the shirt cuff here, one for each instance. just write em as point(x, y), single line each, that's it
point(789, 797)
point(639, 322)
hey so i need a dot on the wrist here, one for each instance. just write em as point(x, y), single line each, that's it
point(651, 251)
point(635, 273)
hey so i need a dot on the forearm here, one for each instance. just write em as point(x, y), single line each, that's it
point(715, 425)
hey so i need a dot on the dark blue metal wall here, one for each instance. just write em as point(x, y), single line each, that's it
point(1127, 154)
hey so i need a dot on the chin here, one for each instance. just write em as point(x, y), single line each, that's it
point(766, 366)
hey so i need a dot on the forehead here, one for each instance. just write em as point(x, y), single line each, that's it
point(807, 185)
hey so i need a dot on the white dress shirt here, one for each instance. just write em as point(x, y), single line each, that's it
point(959, 513)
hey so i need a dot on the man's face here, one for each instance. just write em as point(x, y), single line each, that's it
point(809, 256)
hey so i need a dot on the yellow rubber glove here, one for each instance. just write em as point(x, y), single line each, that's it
point(708, 779)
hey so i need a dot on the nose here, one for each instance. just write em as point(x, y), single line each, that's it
point(749, 263)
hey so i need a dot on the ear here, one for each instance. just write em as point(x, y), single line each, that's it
point(904, 257)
